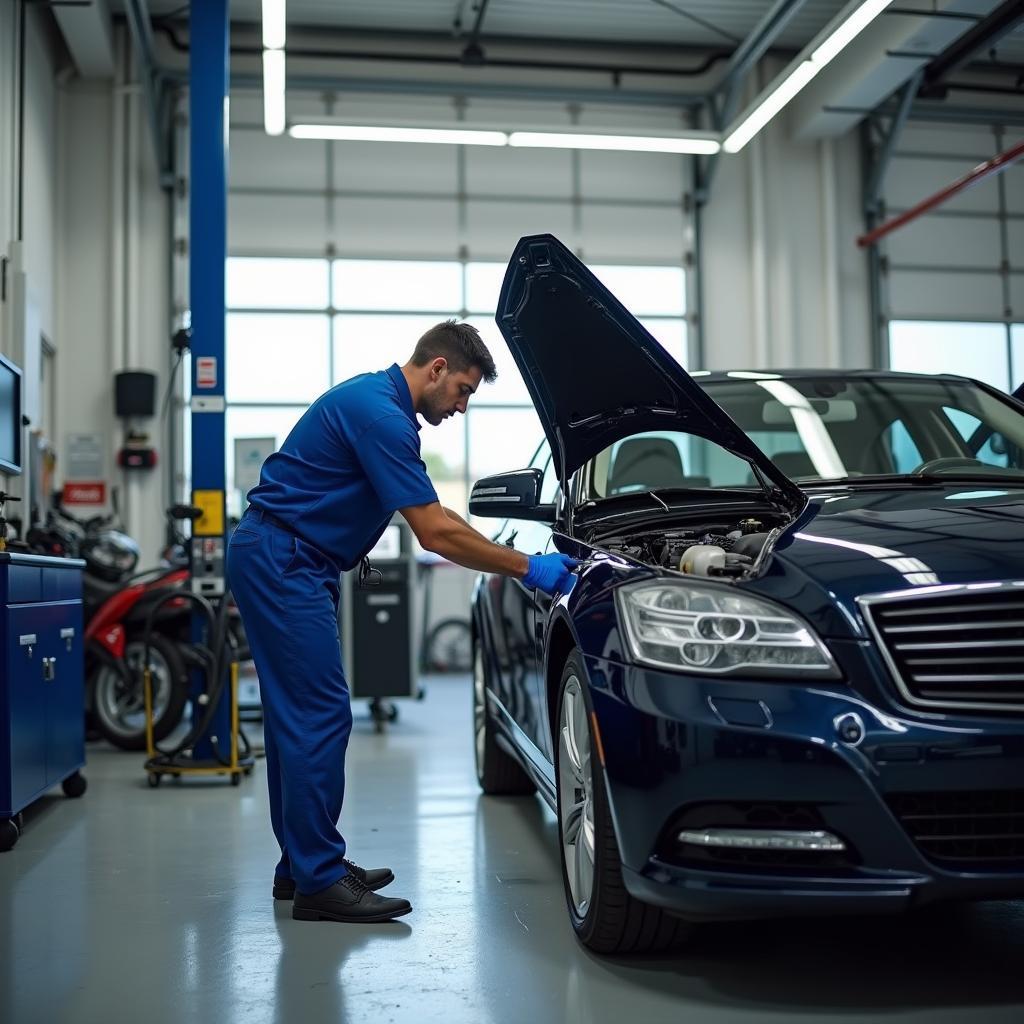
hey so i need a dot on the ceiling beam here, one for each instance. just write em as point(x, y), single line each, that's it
point(89, 37)
point(1003, 20)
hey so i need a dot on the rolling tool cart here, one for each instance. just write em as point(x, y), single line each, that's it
point(42, 728)
point(220, 666)
point(375, 621)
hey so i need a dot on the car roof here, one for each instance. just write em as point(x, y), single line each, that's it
point(725, 376)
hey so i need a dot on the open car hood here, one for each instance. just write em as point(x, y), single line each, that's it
point(596, 376)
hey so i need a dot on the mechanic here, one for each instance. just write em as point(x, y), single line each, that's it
point(322, 502)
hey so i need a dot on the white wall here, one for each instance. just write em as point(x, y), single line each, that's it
point(36, 255)
point(784, 282)
point(95, 248)
point(113, 271)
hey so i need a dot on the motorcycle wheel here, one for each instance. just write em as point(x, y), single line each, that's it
point(119, 705)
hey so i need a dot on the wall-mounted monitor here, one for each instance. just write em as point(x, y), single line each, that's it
point(10, 417)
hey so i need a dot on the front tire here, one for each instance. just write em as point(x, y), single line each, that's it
point(604, 916)
point(497, 771)
point(119, 705)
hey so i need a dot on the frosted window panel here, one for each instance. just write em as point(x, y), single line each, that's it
point(276, 357)
point(501, 440)
point(971, 349)
point(245, 421)
point(509, 388)
point(660, 291)
point(444, 449)
point(398, 284)
point(365, 343)
point(276, 283)
point(672, 335)
point(483, 286)
point(1017, 345)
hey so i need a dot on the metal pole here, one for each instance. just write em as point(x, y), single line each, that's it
point(994, 166)
point(208, 154)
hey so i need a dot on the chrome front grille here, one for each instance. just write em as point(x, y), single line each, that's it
point(955, 647)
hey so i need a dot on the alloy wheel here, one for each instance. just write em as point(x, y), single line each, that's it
point(121, 703)
point(479, 709)
point(576, 795)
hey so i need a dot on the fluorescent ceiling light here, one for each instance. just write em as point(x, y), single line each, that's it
point(273, 24)
point(769, 103)
point(273, 91)
point(706, 144)
point(382, 133)
point(466, 135)
point(767, 107)
point(848, 30)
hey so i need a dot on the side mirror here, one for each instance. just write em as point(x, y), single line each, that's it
point(511, 496)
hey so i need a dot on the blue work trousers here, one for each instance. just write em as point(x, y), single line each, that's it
point(287, 593)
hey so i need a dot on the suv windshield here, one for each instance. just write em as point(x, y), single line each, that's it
point(829, 428)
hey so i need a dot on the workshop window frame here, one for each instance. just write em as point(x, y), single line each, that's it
point(454, 465)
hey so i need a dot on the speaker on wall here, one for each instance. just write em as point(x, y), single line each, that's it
point(135, 393)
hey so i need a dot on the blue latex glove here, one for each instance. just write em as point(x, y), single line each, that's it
point(550, 573)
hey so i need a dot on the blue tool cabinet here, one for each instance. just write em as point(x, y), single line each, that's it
point(42, 721)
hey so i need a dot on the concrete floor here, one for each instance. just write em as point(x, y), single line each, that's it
point(139, 905)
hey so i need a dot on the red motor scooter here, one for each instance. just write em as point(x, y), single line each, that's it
point(114, 650)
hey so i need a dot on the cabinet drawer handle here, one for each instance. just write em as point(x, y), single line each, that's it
point(28, 640)
point(49, 669)
point(68, 636)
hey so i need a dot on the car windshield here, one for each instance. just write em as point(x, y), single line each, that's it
point(829, 428)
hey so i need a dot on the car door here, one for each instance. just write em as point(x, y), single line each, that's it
point(514, 610)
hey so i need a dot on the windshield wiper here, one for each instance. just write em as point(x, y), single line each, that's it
point(917, 479)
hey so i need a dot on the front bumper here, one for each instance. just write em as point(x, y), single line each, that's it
point(672, 743)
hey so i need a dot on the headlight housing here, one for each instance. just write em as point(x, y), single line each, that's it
point(704, 629)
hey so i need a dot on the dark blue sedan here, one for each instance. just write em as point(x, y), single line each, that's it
point(789, 676)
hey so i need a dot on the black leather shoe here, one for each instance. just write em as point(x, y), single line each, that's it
point(372, 878)
point(348, 900)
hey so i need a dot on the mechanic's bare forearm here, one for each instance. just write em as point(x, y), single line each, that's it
point(460, 543)
point(455, 515)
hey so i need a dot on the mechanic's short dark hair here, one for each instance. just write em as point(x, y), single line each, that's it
point(460, 344)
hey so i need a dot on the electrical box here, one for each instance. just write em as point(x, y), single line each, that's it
point(376, 622)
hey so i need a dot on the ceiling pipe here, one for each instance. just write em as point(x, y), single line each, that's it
point(400, 57)
point(473, 52)
point(996, 165)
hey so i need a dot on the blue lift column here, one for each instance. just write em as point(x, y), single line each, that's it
point(208, 152)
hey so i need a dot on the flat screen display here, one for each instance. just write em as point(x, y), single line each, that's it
point(10, 417)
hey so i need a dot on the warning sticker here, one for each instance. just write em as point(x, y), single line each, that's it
point(211, 522)
point(206, 372)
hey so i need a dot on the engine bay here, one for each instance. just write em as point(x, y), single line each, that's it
point(730, 550)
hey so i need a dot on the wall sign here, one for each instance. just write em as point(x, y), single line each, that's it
point(84, 492)
point(86, 457)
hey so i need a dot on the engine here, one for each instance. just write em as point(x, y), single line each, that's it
point(723, 550)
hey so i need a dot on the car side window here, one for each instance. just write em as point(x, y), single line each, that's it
point(993, 452)
point(550, 485)
point(906, 456)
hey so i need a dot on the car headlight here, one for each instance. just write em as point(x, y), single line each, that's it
point(707, 629)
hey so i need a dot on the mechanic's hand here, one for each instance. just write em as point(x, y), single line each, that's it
point(550, 573)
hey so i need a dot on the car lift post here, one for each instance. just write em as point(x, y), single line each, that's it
point(208, 154)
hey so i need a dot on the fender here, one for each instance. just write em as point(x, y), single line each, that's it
point(110, 614)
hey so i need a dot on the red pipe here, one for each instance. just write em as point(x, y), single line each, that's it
point(993, 166)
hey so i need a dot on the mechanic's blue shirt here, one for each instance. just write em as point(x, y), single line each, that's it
point(351, 461)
